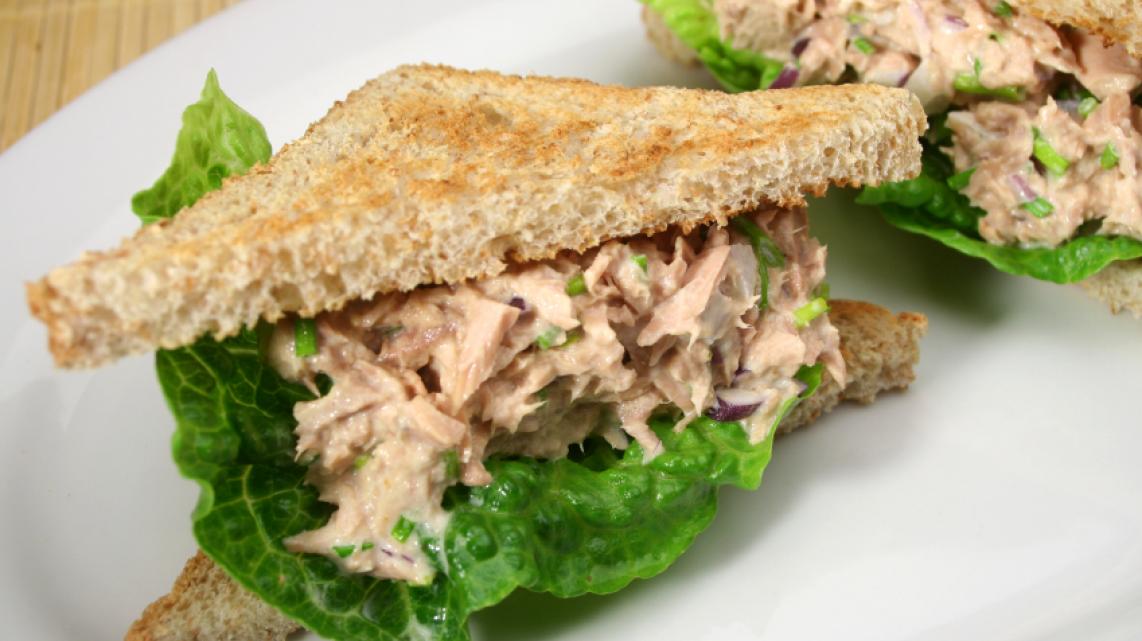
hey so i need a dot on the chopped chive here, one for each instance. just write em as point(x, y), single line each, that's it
point(344, 551)
point(1087, 105)
point(573, 336)
point(544, 393)
point(304, 337)
point(366, 546)
point(767, 252)
point(1109, 157)
point(403, 529)
point(360, 461)
point(547, 339)
point(1046, 154)
point(995, 36)
point(864, 46)
point(1002, 9)
point(970, 83)
point(805, 314)
point(1039, 208)
point(967, 83)
point(961, 180)
point(640, 260)
point(856, 18)
point(451, 464)
point(577, 285)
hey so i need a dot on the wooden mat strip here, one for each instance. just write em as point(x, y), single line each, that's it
point(53, 50)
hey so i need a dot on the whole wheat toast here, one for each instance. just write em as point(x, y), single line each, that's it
point(880, 350)
point(430, 174)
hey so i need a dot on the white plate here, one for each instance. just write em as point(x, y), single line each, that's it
point(1001, 498)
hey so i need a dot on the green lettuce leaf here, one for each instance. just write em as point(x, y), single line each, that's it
point(927, 205)
point(218, 139)
point(592, 522)
point(695, 24)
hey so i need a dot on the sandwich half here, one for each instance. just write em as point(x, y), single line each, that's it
point(1032, 158)
point(475, 332)
point(879, 349)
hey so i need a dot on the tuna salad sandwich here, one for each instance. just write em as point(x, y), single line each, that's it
point(475, 332)
point(1034, 153)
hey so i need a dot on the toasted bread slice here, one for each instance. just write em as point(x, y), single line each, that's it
point(429, 174)
point(205, 604)
point(1119, 285)
point(1116, 21)
point(880, 351)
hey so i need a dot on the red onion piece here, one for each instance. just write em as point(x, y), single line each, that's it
point(1021, 187)
point(518, 303)
point(735, 404)
point(955, 23)
point(787, 78)
point(799, 47)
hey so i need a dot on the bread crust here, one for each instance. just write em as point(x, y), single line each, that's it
point(1119, 285)
point(880, 350)
point(205, 604)
point(1115, 21)
point(429, 174)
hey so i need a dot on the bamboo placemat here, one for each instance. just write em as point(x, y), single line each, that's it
point(53, 50)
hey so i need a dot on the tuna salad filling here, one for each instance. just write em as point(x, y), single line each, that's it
point(1045, 134)
point(421, 387)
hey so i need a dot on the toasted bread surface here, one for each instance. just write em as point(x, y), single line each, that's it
point(205, 604)
point(1116, 21)
point(665, 40)
point(880, 351)
point(430, 174)
point(1119, 285)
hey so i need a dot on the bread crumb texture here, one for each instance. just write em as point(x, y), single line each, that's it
point(205, 604)
point(1119, 285)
